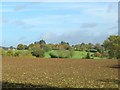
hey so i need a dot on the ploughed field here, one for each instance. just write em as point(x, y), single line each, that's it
point(59, 73)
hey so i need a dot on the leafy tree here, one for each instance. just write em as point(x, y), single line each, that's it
point(42, 42)
point(55, 47)
point(112, 45)
point(47, 48)
point(77, 47)
point(25, 47)
point(62, 42)
point(90, 46)
point(20, 47)
point(99, 48)
point(64, 46)
point(30, 46)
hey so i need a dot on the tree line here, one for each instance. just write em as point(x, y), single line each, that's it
point(109, 48)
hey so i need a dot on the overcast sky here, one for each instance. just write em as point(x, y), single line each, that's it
point(74, 22)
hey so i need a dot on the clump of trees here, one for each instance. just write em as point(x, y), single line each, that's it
point(110, 49)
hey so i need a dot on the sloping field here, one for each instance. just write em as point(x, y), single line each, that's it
point(28, 72)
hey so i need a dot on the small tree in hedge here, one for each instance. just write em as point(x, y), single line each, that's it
point(38, 52)
point(88, 55)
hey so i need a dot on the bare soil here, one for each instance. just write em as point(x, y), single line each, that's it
point(59, 73)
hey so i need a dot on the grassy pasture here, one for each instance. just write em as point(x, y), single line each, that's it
point(76, 55)
point(59, 73)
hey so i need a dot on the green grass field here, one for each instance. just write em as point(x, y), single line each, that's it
point(77, 54)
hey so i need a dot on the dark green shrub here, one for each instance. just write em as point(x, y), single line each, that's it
point(88, 55)
point(38, 52)
point(16, 54)
point(10, 53)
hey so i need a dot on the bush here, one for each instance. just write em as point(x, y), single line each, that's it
point(88, 55)
point(97, 54)
point(38, 52)
point(16, 54)
point(9, 53)
point(3, 53)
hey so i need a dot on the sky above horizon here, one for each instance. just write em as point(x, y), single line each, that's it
point(74, 22)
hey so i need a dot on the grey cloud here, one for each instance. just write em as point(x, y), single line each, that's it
point(20, 7)
point(75, 37)
point(88, 25)
point(21, 23)
point(26, 6)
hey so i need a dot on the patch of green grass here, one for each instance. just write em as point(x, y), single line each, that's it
point(79, 54)
point(47, 53)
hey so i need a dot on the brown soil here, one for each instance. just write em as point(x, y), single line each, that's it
point(59, 73)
